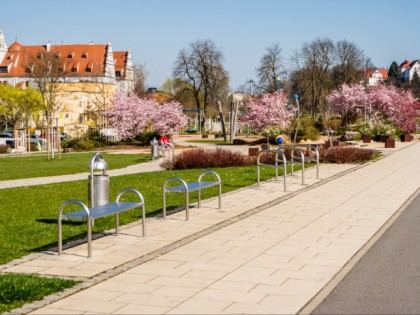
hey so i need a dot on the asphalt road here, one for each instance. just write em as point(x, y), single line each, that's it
point(387, 278)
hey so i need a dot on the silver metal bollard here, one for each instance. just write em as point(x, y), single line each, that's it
point(154, 149)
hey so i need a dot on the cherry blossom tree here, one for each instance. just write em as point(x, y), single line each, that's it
point(383, 103)
point(394, 105)
point(169, 118)
point(351, 101)
point(270, 111)
point(130, 115)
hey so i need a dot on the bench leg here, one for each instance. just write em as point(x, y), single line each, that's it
point(117, 223)
point(143, 219)
point(187, 207)
point(220, 195)
point(60, 237)
point(89, 237)
point(199, 199)
point(164, 203)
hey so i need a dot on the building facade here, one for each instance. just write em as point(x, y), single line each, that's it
point(91, 73)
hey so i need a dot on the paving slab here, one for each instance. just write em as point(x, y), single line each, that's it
point(270, 254)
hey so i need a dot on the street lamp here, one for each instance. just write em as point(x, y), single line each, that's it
point(251, 82)
point(278, 82)
point(296, 97)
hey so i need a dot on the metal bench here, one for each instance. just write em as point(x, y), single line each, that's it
point(90, 214)
point(190, 187)
point(276, 165)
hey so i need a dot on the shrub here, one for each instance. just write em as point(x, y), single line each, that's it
point(200, 158)
point(145, 137)
point(80, 144)
point(345, 154)
point(4, 148)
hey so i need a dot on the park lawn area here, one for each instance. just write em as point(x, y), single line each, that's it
point(29, 166)
point(17, 290)
point(28, 215)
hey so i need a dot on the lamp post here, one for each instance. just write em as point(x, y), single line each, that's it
point(296, 97)
point(278, 84)
point(251, 82)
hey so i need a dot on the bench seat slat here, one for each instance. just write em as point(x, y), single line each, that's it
point(193, 186)
point(101, 211)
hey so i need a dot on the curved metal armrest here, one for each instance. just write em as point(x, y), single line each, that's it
point(209, 172)
point(60, 237)
point(170, 179)
point(130, 190)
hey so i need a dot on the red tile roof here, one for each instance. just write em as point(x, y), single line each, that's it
point(371, 71)
point(405, 64)
point(80, 56)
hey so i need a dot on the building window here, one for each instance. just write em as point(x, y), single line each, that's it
point(9, 58)
point(117, 74)
point(70, 55)
point(73, 69)
point(84, 55)
point(88, 69)
point(3, 69)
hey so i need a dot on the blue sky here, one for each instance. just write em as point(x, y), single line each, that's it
point(156, 30)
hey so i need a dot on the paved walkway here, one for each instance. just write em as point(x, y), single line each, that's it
point(266, 251)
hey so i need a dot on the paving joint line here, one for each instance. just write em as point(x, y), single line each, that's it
point(88, 282)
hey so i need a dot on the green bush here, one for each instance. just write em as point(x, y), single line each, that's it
point(145, 137)
point(81, 144)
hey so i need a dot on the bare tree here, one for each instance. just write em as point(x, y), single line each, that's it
point(140, 76)
point(200, 67)
point(47, 71)
point(314, 63)
point(269, 71)
point(349, 63)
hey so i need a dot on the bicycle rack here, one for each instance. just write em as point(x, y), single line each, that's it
point(275, 165)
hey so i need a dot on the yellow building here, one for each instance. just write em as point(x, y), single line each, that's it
point(91, 74)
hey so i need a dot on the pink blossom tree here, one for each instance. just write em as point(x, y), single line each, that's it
point(270, 111)
point(130, 115)
point(169, 118)
point(384, 103)
point(394, 105)
point(351, 101)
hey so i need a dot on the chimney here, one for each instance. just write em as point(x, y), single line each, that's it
point(48, 45)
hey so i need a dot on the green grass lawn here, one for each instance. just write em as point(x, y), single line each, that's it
point(28, 215)
point(30, 166)
point(17, 290)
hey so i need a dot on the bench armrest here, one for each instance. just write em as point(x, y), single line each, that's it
point(122, 192)
point(209, 172)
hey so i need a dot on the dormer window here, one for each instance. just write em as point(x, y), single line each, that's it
point(70, 55)
point(3, 69)
point(84, 55)
point(117, 74)
point(74, 69)
point(9, 58)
